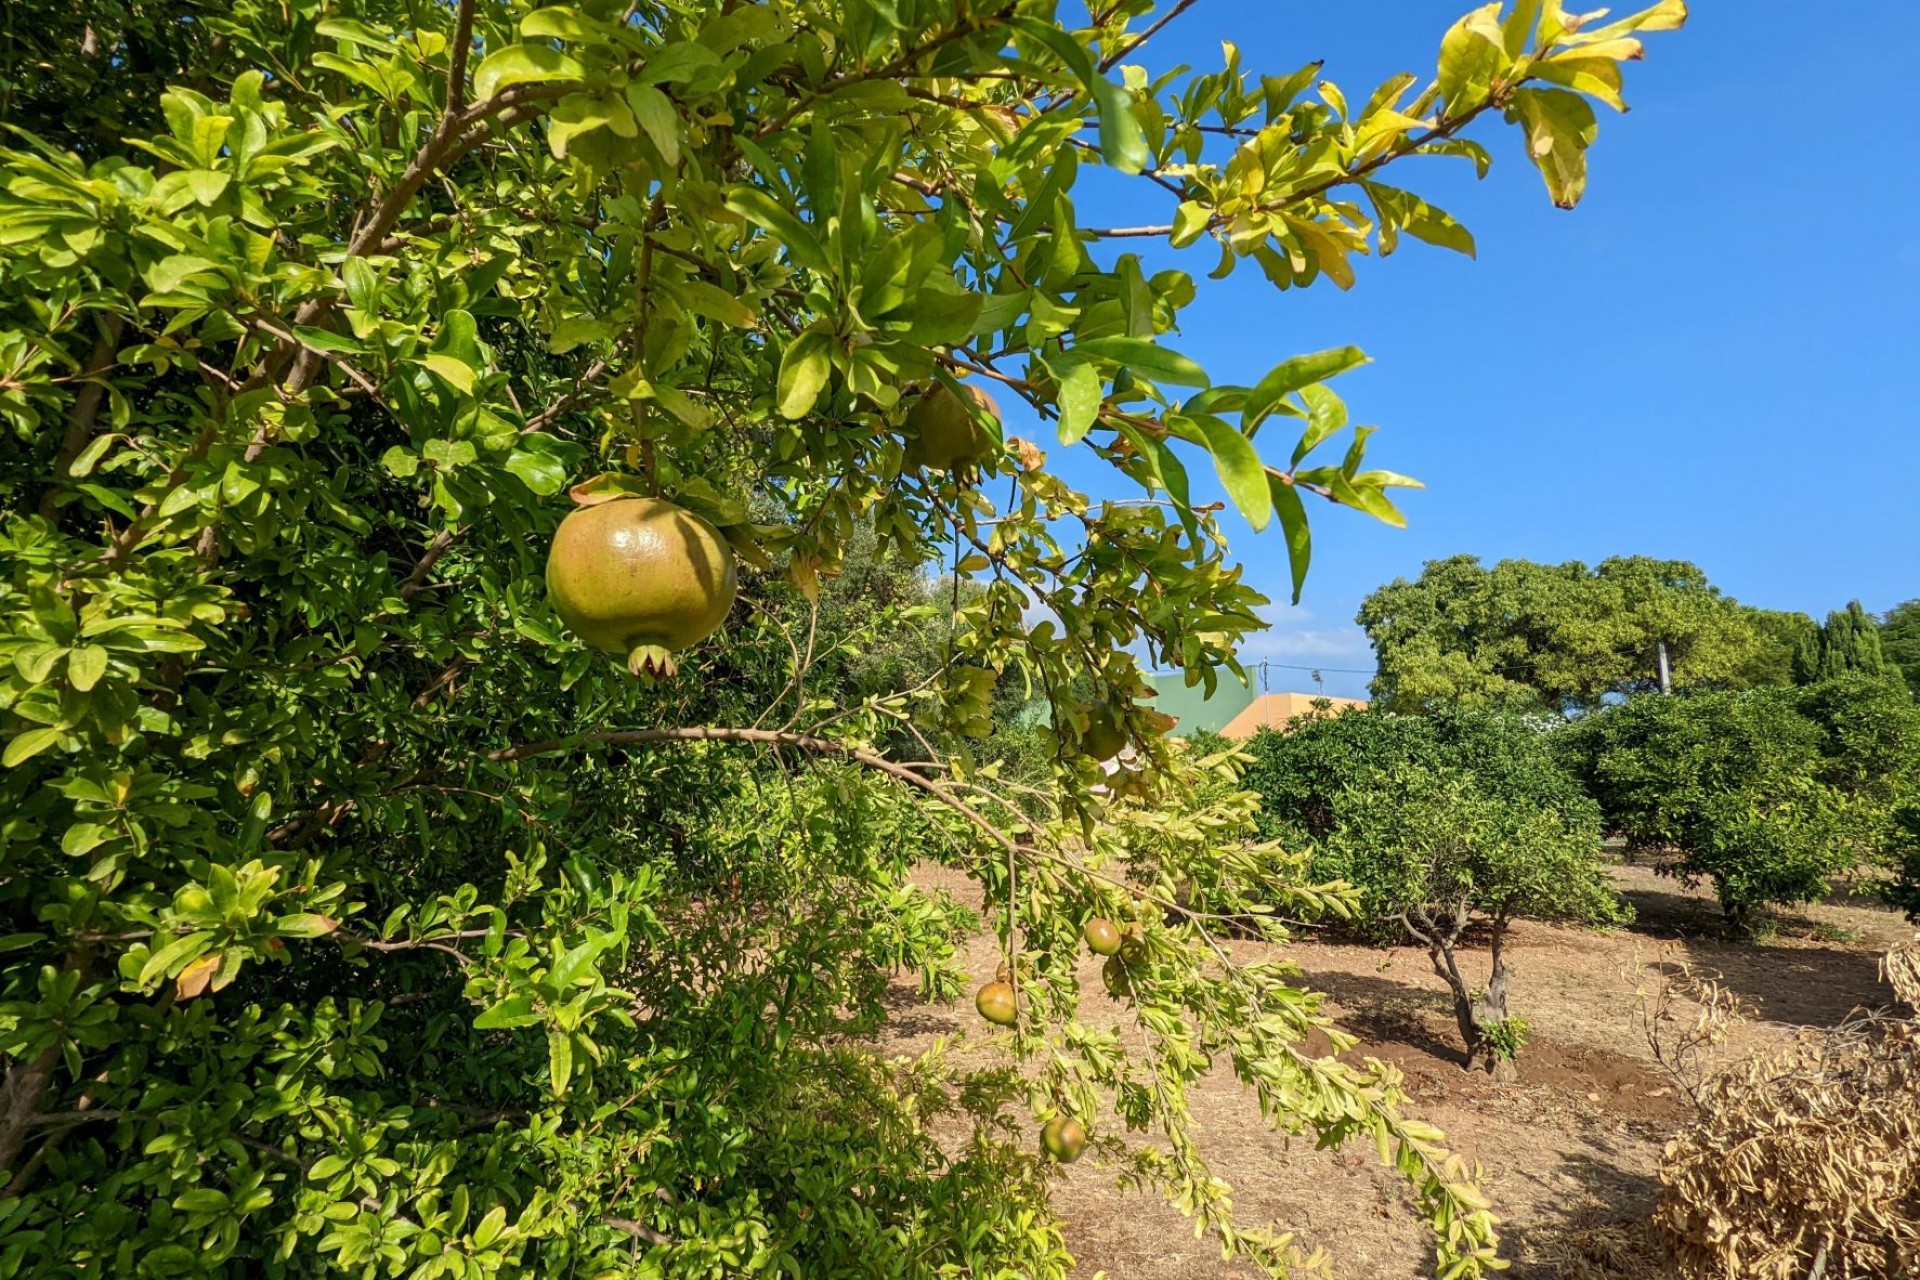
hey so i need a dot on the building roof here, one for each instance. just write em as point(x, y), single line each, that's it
point(1278, 710)
point(1232, 710)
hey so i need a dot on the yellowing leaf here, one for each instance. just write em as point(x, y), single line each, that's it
point(194, 978)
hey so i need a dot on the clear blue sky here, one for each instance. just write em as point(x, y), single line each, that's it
point(1716, 357)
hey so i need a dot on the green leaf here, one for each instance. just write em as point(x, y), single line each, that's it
point(560, 22)
point(83, 838)
point(328, 342)
point(399, 461)
point(1241, 471)
point(305, 924)
point(457, 373)
point(803, 373)
point(85, 666)
point(759, 208)
point(488, 1229)
point(1123, 143)
point(560, 1060)
point(523, 64)
point(514, 1011)
point(1472, 54)
point(577, 331)
point(538, 470)
point(1293, 523)
point(90, 456)
point(1326, 414)
point(1596, 77)
point(25, 746)
point(1292, 375)
point(1079, 402)
point(1147, 359)
point(715, 304)
point(656, 115)
point(1190, 222)
point(1403, 211)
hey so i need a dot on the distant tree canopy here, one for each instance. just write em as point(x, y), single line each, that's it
point(1849, 644)
point(1528, 636)
point(1900, 641)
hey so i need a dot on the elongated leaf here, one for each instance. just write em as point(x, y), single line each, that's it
point(1079, 402)
point(514, 1011)
point(25, 746)
point(763, 211)
point(1241, 471)
point(1293, 523)
point(1290, 376)
point(1326, 414)
point(1147, 359)
point(803, 373)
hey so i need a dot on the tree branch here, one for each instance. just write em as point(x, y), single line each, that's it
point(86, 407)
point(457, 59)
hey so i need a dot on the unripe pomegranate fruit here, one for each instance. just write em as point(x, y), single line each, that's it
point(1063, 1139)
point(1101, 937)
point(995, 1002)
point(1105, 737)
point(642, 577)
point(942, 433)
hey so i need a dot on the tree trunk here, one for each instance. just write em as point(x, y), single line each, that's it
point(20, 1096)
point(1440, 952)
point(1492, 1006)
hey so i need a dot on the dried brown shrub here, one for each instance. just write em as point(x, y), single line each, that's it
point(1805, 1162)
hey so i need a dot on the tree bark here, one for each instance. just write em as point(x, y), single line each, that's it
point(26, 1084)
point(1440, 952)
point(1492, 1006)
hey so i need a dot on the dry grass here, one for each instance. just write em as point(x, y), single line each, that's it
point(1572, 1148)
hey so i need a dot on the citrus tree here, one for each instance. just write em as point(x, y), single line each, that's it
point(1440, 822)
point(360, 916)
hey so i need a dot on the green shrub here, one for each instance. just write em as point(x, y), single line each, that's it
point(1735, 784)
point(1437, 820)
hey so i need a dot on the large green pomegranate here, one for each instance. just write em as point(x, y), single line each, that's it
point(640, 577)
point(942, 433)
point(997, 1004)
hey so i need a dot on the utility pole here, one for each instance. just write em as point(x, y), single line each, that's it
point(1666, 673)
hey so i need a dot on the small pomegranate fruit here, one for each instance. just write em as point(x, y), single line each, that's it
point(642, 577)
point(942, 433)
point(1133, 947)
point(995, 1002)
point(1063, 1139)
point(1114, 974)
point(1101, 936)
point(1105, 737)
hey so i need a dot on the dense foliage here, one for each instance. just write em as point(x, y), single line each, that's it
point(1900, 641)
point(361, 920)
point(1848, 643)
point(1560, 638)
point(1439, 821)
point(1767, 793)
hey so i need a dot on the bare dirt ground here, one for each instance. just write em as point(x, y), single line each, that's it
point(1570, 1150)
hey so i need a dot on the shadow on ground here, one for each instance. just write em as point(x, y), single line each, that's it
point(1785, 982)
point(1593, 1221)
